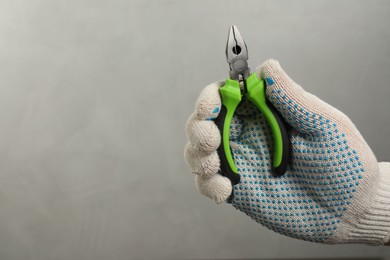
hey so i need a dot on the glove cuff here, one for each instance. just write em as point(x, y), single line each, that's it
point(371, 224)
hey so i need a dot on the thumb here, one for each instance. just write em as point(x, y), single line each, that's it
point(302, 110)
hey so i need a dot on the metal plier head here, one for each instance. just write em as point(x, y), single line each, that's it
point(237, 55)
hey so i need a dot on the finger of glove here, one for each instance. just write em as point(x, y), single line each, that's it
point(208, 104)
point(216, 187)
point(302, 110)
point(201, 163)
point(202, 132)
point(204, 135)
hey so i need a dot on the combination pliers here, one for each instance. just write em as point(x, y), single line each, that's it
point(242, 82)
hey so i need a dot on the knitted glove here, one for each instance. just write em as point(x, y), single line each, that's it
point(334, 190)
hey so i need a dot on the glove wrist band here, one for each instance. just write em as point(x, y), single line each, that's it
point(370, 225)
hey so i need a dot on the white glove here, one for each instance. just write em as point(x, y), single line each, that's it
point(334, 190)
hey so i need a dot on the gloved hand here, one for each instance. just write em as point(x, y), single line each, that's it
point(334, 190)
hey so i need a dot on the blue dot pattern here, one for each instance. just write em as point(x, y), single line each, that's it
point(309, 200)
point(214, 114)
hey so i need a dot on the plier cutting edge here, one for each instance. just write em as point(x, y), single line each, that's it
point(241, 82)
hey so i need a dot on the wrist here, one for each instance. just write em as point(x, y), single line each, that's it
point(369, 222)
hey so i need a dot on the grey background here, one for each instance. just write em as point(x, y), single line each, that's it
point(94, 97)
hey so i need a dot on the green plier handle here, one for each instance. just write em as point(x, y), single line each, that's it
point(231, 97)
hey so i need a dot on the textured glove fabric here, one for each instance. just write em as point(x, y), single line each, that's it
point(334, 190)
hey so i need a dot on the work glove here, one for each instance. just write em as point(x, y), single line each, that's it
point(334, 190)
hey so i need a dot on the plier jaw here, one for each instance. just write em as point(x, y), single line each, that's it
point(237, 55)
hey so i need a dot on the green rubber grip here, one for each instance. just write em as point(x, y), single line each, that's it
point(231, 98)
point(256, 94)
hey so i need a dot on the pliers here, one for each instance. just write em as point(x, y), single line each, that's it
point(241, 82)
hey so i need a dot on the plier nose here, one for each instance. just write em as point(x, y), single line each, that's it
point(237, 55)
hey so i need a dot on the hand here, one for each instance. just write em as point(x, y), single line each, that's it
point(334, 190)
